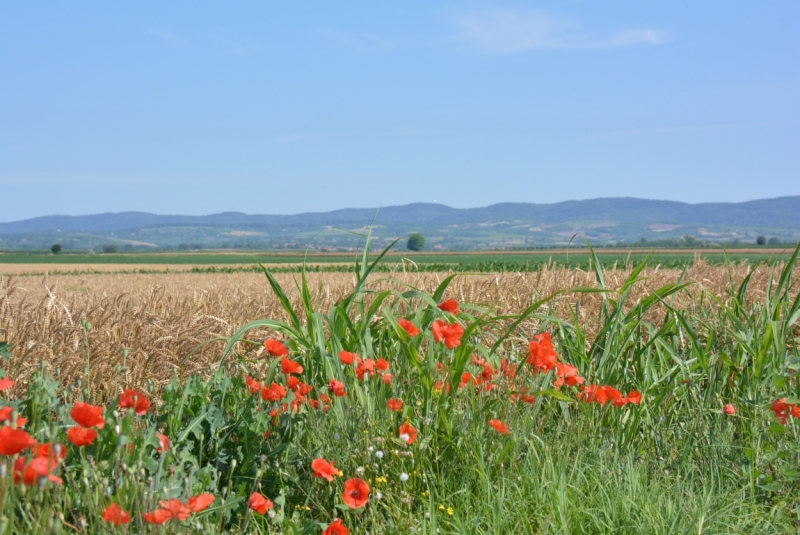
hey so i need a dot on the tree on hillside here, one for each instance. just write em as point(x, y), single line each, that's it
point(416, 242)
point(110, 249)
point(761, 240)
point(56, 248)
point(774, 241)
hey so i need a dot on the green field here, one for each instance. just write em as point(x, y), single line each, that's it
point(472, 261)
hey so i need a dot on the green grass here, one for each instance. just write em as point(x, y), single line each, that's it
point(672, 464)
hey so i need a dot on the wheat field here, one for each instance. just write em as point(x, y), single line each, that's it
point(143, 326)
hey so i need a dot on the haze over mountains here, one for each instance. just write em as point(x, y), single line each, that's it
point(505, 225)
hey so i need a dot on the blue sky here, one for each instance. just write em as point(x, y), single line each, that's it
point(286, 107)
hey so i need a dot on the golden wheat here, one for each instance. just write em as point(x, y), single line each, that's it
point(144, 326)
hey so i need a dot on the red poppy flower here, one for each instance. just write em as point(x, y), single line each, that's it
point(289, 366)
point(81, 436)
point(542, 354)
point(408, 327)
point(451, 306)
point(382, 365)
point(465, 379)
point(634, 397)
point(259, 503)
point(159, 516)
point(336, 388)
point(729, 409)
point(275, 392)
point(394, 404)
point(163, 443)
point(5, 383)
point(407, 433)
point(356, 493)
point(275, 348)
point(527, 398)
point(781, 409)
point(387, 378)
point(488, 372)
point(55, 452)
point(115, 515)
point(132, 399)
point(86, 415)
point(439, 386)
point(176, 508)
point(13, 441)
point(336, 528)
point(252, 385)
point(324, 469)
point(366, 366)
point(347, 358)
point(200, 502)
point(292, 382)
point(498, 426)
point(5, 416)
point(31, 472)
point(567, 374)
point(508, 369)
point(450, 334)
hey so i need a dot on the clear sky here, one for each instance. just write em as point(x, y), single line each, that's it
point(285, 107)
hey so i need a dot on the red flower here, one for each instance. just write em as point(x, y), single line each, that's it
point(382, 365)
point(729, 409)
point(163, 443)
point(5, 416)
point(200, 502)
point(387, 378)
point(408, 327)
point(356, 493)
point(81, 436)
point(259, 503)
point(292, 382)
point(159, 516)
point(132, 399)
point(366, 366)
point(275, 348)
point(31, 473)
point(451, 334)
point(275, 392)
point(407, 433)
point(498, 426)
point(86, 415)
point(336, 528)
point(289, 366)
point(176, 508)
point(347, 358)
point(567, 373)
point(394, 404)
point(465, 379)
point(542, 354)
point(323, 468)
point(116, 516)
point(55, 452)
point(783, 410)
point(634, 397)
point(252, 385)
point(451, 306)
point(13, 441)
point(336, 388)
point(5, 383)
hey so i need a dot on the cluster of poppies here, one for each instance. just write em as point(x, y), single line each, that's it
point(355, 493)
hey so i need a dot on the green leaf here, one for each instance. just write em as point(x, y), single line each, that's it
point(777, 428)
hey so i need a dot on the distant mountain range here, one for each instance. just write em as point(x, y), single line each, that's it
point(502, 225)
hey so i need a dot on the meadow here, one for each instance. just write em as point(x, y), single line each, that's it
point(627, 398)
